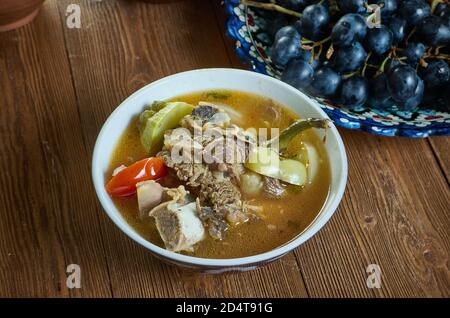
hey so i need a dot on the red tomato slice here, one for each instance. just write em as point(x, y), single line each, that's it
point(124, 183)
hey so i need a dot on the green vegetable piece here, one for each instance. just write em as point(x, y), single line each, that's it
point(293, 172)
point(297, 127)
point(149, 112)
point(264, 161)
point(167, 117)
point(145, 116)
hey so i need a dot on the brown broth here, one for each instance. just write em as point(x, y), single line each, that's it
point(284, 219)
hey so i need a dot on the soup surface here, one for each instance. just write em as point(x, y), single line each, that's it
point(283, 219)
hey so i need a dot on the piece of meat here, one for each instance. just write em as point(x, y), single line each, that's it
point(235, 216)
point(149, 194)
point(225, 199)
point(213, 222)
point(205, 116)
point(235, 171)
point(191, 173)
point(178, 225)
point(178, 194)
point(214, 179)
point(204, 112)
point(273, 188)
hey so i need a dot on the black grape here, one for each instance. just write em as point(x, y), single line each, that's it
point(398, 28)
point(379, 96)
point(434, 32)
point(414, 11)
point(354, 91)
point(298, 73)
point(314, 22)
point(349, 28)
point(378, 40)
point(436, 73)
point(325, 82)
point(349, 58)
point(286, 48)
point(402, 82)
point(288, 31)
point(414, 100)
point(337, 42)
point(359, 24)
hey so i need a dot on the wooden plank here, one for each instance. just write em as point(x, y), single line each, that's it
point(48, 214)
point(394, 214)
point(441, 148)
point(122, 46)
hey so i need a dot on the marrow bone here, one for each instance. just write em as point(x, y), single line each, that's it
point(175, 215)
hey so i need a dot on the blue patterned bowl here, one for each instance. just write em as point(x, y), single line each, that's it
point(246, 27)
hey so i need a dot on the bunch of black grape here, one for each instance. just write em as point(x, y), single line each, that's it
point(335, 50)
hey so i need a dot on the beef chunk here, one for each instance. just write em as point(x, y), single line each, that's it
point(213, 221)
point(273, 188)
point(204, 112)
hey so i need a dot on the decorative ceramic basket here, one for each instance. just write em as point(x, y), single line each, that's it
point(247, 26)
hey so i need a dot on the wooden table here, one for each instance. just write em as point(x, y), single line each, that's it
point(57, 87)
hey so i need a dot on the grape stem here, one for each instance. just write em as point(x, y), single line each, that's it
point(363, 72)
point(348, 75)
point(437, 57)
point(372, 65)
point(271, 6)
point(320, 50)
point(315, 44)
point(436, 51)
point(383, 64)
point(321, 42)
point(410, 35)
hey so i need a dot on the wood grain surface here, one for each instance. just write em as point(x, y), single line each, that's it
point(57, 87)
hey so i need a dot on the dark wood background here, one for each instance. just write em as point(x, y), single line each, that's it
point(57, 87)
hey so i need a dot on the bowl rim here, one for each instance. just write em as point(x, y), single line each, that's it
point(279, 251)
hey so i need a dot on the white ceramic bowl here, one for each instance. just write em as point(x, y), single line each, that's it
point(207, 79)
